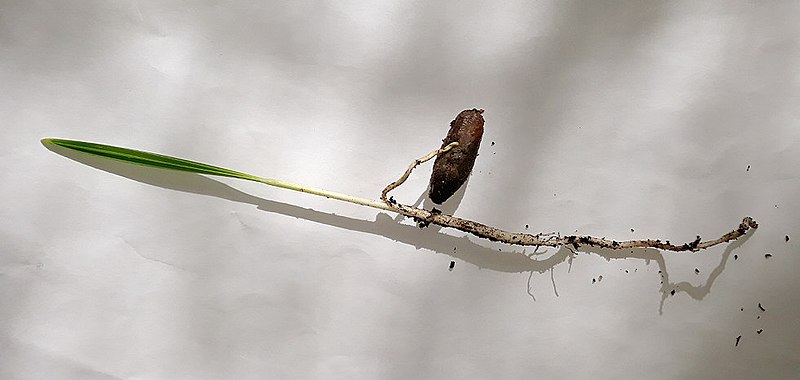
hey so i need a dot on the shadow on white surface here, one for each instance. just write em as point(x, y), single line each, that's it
point(431, 238)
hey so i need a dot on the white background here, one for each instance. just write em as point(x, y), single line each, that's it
point(633, 119)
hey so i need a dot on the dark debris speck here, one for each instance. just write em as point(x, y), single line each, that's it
point(696, 271)
point(761, 307)
point(759, 331)
point(737, 340)
point(767, 256)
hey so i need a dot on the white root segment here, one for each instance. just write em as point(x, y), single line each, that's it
point(411, 167)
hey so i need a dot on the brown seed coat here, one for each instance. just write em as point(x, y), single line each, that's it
point(451, 169)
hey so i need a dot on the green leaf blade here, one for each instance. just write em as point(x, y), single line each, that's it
point(143, 158)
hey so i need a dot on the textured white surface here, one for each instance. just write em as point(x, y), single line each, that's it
point(623, 119)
